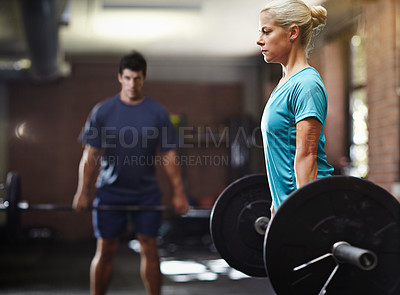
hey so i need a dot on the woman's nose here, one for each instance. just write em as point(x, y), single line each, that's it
point(260, 41)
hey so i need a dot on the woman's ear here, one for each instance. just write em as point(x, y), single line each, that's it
point(294, 32)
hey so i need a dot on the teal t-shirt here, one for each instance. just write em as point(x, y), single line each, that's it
point(302, 96)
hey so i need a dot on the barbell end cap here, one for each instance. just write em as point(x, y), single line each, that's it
point(362, 258)
point(261, 224)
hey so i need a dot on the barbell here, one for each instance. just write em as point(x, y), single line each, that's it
point(335, 235)
point(344, 223)
point(13, 205)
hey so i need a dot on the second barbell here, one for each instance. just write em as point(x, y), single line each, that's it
point(13, 205)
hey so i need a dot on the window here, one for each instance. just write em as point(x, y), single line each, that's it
point(358, 109)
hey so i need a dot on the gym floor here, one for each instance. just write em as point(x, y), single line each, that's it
point(42, 265)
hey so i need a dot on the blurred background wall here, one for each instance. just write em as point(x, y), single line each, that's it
point(59, 58)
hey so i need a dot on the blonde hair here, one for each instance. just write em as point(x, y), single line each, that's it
point(295, 12)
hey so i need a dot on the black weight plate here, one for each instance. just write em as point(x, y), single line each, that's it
point(13, 188)
point(232, 223)
point(326, 211)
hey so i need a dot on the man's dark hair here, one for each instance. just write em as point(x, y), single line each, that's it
point(134, 61)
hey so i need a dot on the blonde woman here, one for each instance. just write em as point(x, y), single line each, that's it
point(294, 117)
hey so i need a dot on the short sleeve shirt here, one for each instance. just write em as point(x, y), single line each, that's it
point(130, 136)
point(302, 96)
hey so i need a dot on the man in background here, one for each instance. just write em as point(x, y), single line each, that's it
point(124, 138)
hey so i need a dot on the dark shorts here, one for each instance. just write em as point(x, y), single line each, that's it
point(112, 224)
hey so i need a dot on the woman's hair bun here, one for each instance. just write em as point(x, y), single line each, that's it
point(318, 15)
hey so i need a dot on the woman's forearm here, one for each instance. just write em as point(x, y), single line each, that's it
point(306, 169)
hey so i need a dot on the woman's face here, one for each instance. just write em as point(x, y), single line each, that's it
point(273, 40)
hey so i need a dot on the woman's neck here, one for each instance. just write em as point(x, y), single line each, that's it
point(296, 62)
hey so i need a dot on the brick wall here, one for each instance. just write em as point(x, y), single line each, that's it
point(383, 101)
point(330, 63)
point(380, 20)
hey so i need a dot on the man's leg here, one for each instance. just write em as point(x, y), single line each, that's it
point(150, 264)
point(101, 268)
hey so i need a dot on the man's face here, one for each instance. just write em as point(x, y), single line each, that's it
point(131, 84)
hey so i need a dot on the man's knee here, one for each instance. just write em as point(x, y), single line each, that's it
point(148, 245)
point(106, 248)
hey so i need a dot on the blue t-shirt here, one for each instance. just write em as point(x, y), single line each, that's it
point(130, 135)
point(302, 96)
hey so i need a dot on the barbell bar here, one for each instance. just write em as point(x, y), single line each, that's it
point(364, 259)
point(193, 212)
point(343, 252)
point(342, 223)
point(13, 205)
point(25, 206)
